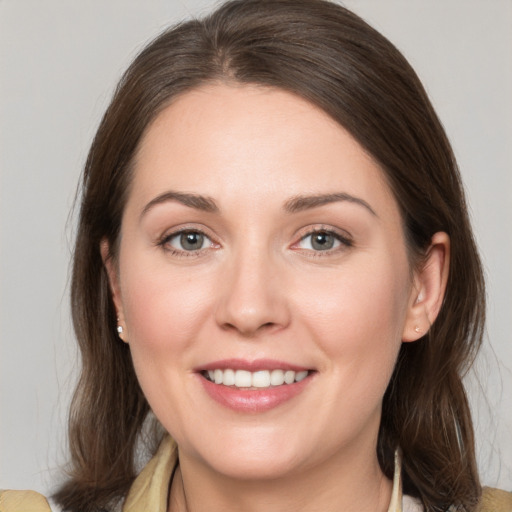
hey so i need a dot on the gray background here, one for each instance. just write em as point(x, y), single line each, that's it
point(59, 61)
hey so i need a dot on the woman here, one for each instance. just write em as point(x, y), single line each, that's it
point(274, 258)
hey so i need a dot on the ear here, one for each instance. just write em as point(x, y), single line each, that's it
point(115, 290)
point(428, 289)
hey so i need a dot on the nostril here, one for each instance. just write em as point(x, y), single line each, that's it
point(249, 330)
point(250, 310)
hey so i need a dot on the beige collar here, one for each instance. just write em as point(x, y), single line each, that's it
point(396, 495)
point(150, 489)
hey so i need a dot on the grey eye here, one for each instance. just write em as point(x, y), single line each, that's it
point(320, 241)
point(189, 241)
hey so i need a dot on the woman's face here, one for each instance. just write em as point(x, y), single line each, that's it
point(263, 282)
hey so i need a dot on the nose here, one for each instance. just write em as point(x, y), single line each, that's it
point(253, 299)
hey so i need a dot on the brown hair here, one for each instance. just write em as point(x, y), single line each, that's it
point(329, 56)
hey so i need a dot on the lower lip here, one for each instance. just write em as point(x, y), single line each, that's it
point(253, 400)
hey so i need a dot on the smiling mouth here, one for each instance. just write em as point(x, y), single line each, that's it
point(243, 379)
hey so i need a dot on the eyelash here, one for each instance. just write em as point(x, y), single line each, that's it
point(344, 242)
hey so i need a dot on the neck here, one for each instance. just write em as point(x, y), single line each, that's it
point(355, 483)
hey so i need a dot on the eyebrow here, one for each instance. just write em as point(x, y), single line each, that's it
point(301, 203)
point(293, 205)
point(196, 201)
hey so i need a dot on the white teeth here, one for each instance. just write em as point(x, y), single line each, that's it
point(217, 375)
point(243, 379)
point(228, 378)
point(277, 378)
point(301, 376)
point(289, 376)
point(259, 379)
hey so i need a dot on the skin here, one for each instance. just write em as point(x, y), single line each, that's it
point(258, 288)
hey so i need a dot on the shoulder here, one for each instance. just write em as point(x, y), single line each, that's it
point(495, 500)
point(26, 501)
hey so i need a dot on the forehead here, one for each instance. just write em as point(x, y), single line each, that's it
point(243, 141)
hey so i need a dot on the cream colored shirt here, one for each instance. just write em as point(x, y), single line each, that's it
point(150, 489)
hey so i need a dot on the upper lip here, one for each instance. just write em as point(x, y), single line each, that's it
point(251, 366)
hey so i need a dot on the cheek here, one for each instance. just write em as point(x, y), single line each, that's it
point(357, 316)
point(163, 310)
point(164, 314)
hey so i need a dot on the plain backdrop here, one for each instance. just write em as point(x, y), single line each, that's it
point(59, 62)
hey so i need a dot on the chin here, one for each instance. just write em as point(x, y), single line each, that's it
point(251, 455)
point(261, 466)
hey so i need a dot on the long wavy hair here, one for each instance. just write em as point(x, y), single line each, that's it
point(329, 56)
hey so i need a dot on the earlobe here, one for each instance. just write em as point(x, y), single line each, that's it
point(113, 279)
point(428, 289)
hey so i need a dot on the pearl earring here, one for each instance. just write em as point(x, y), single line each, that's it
point(119, 328)
point(417, 329)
